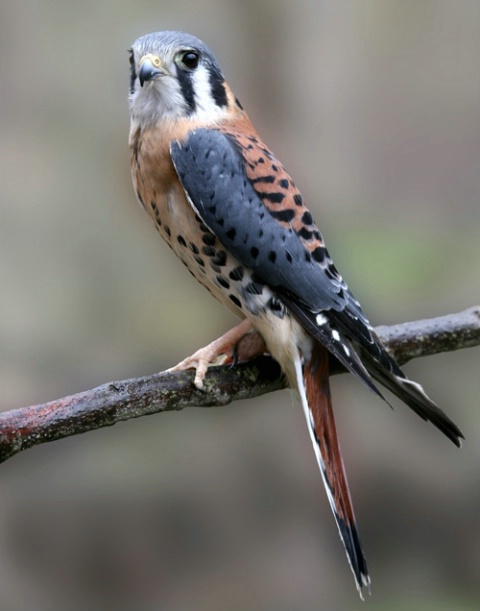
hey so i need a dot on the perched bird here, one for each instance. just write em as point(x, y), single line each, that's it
point(227, 207)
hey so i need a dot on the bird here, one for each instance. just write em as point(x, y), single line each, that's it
point(229, 210)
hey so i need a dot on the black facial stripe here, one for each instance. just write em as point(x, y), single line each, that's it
point(133, 74)
point(219, 93)
point(185, 80)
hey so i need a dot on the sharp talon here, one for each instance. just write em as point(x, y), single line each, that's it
point(224, 349)
point(198, 383)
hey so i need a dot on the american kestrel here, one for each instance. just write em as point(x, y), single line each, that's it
point(227, 207)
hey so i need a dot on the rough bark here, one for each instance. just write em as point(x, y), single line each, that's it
point(116, 401)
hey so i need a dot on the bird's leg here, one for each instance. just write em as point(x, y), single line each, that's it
point(239, 344)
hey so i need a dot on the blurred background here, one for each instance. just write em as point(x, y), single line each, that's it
point(374, 108)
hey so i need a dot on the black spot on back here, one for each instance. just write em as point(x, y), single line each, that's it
point(297, 198)
point(267, 179)
point(305, 233)
point(274, 198)
point(307, 218)
point(284, 216)
point(319, 254)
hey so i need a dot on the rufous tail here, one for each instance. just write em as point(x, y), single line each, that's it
point(314, 389)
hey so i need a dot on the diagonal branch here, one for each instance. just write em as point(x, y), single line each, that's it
point(116, 401)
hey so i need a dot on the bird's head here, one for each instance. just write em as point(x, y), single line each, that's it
point(174, 75)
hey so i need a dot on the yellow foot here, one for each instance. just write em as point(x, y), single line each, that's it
point(240, 343)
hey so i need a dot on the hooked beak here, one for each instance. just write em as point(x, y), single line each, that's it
point(151, 68)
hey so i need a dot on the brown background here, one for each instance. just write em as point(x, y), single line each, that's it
point(374, 108)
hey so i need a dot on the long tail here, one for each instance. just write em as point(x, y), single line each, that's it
point(314, 390)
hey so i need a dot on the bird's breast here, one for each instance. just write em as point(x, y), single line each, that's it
point(232, 283)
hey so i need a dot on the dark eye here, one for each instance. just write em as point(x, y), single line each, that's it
point(190, 59)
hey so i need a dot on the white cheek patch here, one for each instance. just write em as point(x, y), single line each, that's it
point(206, 107)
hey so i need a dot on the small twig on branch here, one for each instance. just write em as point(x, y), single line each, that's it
point(110, 403)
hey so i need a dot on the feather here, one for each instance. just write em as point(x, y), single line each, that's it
point(314, 390)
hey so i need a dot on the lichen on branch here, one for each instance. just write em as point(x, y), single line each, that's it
point(117, 401)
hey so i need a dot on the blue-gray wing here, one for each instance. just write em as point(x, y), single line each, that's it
point(217, 180)
point(212, 172)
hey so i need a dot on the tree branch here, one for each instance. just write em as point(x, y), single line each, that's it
point(116, 401)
